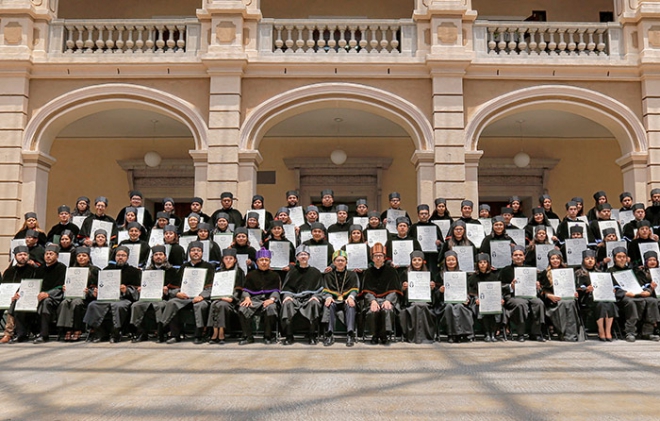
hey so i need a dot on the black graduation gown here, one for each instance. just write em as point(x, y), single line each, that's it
point(86, 228)
point(140, 308)
point(204, 218)
point(339, 286)
point(380, 285)
point(518, 309)
point(598, 309)
point(177, 255)
point(629, 230)
point(563, 313)
point(431, 258)
point(302, 284)
point(235, 217)
point(417, 319)
point(638, 308)
point(200, 309)
point(222, 310)
point(71, 310)
point(260, 286)
point(37, 255)
point(636, 258)
point(41, 240)
point(457, 318)
point(490, 321)
point(144, 251)
point(58, 229)
point(148, 220)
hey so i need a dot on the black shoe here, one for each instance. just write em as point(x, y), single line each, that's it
point(198, 341)
point(385, 341)
point(487, 338)
point(40, 340)
point(214, 341)
point(288, 341)
point(451, 339)
point(173, 340)
point(312, 340)
point(350, 340)
point(329, 340)
point(374, 340)
point(247, 340)
point(269, 340)
point(96, 339)
point(630, 337)
point(521, 338)
point(608, 339)
point(220, 342)
point(140, 338)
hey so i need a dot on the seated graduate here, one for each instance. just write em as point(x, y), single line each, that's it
point(602, 259)
point(52, 274)
point(455, 317)
point(36, 250)
point(644, 236)
point(71, 310)
point(204, 234)
point(518, 309)
point(457, 237)
point(176, 255)
point(639, 308)
point(540, 237)
point(223, 308)
point(140, 309)
point(64, 224)
point(180, 300)
point(340, 291)
point(252, 223)
point(374, 224)
point(276, 234)
point(562, 313)
point(484, 273)
point(302, 294)
point(417, 318)
point(381, 292)
point(119, 310)
point(31, 223)
point(645, 279)
point(260, 296)
point(603, 312)
point(14, 274)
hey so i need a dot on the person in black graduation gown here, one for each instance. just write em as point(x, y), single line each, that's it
point(600, 197)
point(196, 204)
point(516, 206)
point(292, 198)
point(545, 201)
point(653, 211)
point(457, 237)
point(176, 255)
point(580, 205)
point(497, 234)
point(140, 309)
point(36, 250)
point(538, 218)
point(455, 317)
point(647, 282)
point(381, 292)
point(258, 203)
point(65, 224)
point(644, 236)
point(402, 234)
point(604, 214)
point(260, 296)
point(563, 233)
point(71, 310)
point(223, 308)
point(540, 238)
point(85, 234)
point(180, 300)
point(52, 274)
point(276, 234)
point(243, 247)
point(327, 201)
point(466, 212)
point(340, 292)
point(82, 207)
point(31, 223)
point(136, 198)
point(484, 273)
point(562, 312)
point(204, 234)
point(417, 318)
point(119, 310)
point(168, 208)
point(134, 232)
point(343, 222)
point(630, 228)
point(440, 212)
point(227, 201)
point(302, 294)
point(319, 239)
point(626, 200)
point(14, 274)
point(131, 216)
point(193, 221)
point(395, 204)
point(423, 220)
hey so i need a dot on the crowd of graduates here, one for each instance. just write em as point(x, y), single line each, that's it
point(302, 294)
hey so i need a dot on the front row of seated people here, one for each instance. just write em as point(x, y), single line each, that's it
point(377, 295)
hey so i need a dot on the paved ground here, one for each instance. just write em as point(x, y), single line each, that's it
point(505, 381)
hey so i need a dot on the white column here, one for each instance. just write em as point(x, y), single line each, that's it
point(248, 163)
point(424, 162)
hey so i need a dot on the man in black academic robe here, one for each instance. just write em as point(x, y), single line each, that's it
point(302, 294)
point(14, 275)
point(179, 300)
point(119, 310)
point(423, 217)
point(340, 292)
point(381, 292)
point(36, 250)
point(64, 213)
point(85, 236)
point(196, 204)
point(140, 308)
point(136, 202)
point(52, 274)
point(234, 216)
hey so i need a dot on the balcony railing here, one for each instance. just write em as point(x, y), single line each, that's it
point(327, 37)
point(547, 39)
point(176, 37)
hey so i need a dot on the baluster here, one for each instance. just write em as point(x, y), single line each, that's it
point(542, 44)
point(170, 42)
point(374, 42)
point(522, 44)
point(300, 42)
point(501, 46)
point(571, 41)
point(181, 42)
point(310, 38)
point(120, 39)
point(139, 44)
point(352, 43)
point(532, 41)
point(332, 42)
point(110, 43)
point(591, 45)
point(100, 42)
point(601, 44)
point(289, 39)
point(278, 41)
point(512, 45)
point(581, 45)
point(129, 42)
point(395, 42)
point(149, 43)
point(160, 42)
point(321, 43)
point(69, 40)
point(342, 39)
point(384, 42)
point(562, 43)
point(363, 39)
point(552, 45)
point(80, 44)
point(89, 44)
point(491, 41)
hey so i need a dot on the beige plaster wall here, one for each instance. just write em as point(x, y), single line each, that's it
point(417, 91)
point(126, 9)
point(372, 9)
point(401, 176)
point(557, 10)
point(195, 91)
point(585, 166)
point(89, 167)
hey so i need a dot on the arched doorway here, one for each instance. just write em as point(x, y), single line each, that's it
point(102, 134)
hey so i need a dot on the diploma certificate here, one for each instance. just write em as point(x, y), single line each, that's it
point(563, 283)
point(76, 282)
point(628, 281)
point(109, 285)
point(151, 286)
point(525, 286)
point(455, 287)
point(401, 250)
point(419, 286)
point(192, 282)
point(357, 256)
point(223, 284)
point(427, 236)
point(29, 292)
point(603, 286)
point(500, 254)
point(490, 298)
point(318, 257)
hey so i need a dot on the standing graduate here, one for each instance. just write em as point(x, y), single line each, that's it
point(82, 207)
point(223, 308)
point(484, 273)
point(381, 293)
point(64, 224)
point(196, 204)
point(423, 220)
point(417, 318)
point(302, 293)
point(455, 317)
point(562, 312)
point(600, 197)
point(136, 199)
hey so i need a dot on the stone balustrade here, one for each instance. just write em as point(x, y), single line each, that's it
point(547, 39)
point(176, 36)
point(326, 36)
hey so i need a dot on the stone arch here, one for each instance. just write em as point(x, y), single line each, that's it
point(50, 119)
point(334, 94)
point(610, 113)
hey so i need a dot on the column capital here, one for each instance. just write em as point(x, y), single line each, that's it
point(199, 157)
point(250, 157)
point(472, 158)
point(631, 160)
point(421, 158)
point(38, 158)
